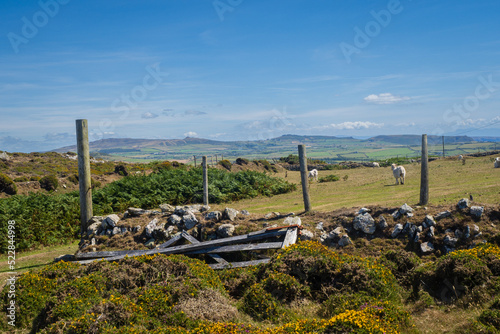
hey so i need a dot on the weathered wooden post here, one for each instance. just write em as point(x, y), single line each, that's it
point(82, 143)
point(216, 161)
point(304, 177)
point(205, 180)
point(194, 157)
point(222, 155)
point(424, 178)
point(212, 160)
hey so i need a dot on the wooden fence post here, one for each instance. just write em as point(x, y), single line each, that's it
point(84, 177)
point(205, 180)
point(304, 177)
point(443, 146)
point(424, 179)
point(194, 157)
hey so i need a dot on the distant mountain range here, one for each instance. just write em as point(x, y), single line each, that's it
point(324, 147)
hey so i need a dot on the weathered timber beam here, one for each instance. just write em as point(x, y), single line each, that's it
point(116, 255)
point(238, 264)
point(237, 248)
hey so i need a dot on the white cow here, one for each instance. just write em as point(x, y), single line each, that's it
point(313, 174)
point(399, 172)
point(460, 157)
point(375, 164)
point(497, 162)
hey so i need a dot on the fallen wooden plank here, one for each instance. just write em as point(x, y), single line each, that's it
point(189, 238)
point(193, 240)
point(290, 237)
point(238, 264)
point(114, 255)
point(237, 248)
point(218, 258)
point(171, 241)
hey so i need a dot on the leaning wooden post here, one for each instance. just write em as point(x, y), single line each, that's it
point(304, 177)
point(82, 141)
point(194, 156)
point(205, 180)
point(424, 178)
point(443, 145)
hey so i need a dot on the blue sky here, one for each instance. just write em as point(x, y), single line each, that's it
point(246, 70)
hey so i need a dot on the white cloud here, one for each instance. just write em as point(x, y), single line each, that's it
point(478, 122)
point(148, 115)
point(354, 125)
point(385, 98)
point(191, 134)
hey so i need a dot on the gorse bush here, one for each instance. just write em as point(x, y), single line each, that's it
point(43, 219)
point(328, 178)
point(226, 164)
point(49, 182)
point(177, 294)
point(7, 185)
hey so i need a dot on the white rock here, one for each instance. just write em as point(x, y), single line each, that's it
point(365, 223)
point(292, 221)
point(398, 228)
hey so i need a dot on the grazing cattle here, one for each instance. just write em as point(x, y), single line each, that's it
point(399, 173)
point(375, 164)
point(497, 162)
point(313, 174)
point(460, 157)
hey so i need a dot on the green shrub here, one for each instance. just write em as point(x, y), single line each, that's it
point(21, 179)
point(73, 178)
point(401, 263)
point(242, 161)
point(121, 170)
point(226, 164)
point(49, 182)
point(35, 178)
point(7, 185)
point(329, 178)
point(260, 304)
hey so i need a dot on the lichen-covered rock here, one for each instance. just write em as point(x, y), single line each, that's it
point(463, 203)
point(442, 215)
point(189, 220)
point(110, 221)
point(167, 208)
point(382, 223)
point(230, 214)
point(175, 220)
point(344, 241)
point(450, 241)
point(136, 212)
point(365, 223)
point(398, 228)
point(306, 235)
point(427, 247)
point(429, 221)
point(150, 228)
point(292, 221)
point(225, 230)
point(214, 215)
point(477, 211)
point(405, 209)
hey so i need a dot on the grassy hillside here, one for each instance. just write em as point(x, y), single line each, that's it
point(450, 180)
